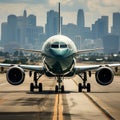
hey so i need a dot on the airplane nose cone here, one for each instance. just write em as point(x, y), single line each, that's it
point(59, 52)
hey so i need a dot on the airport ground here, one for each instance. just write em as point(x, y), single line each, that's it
point(17, 103)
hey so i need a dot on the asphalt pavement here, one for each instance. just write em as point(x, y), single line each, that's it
point(18, 103)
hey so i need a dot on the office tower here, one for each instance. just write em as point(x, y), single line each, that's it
point(4, 32)
point(12, 28)
point(116, 24)
point(77, 41)
point(80, 19)
point(52, 24)
point(111, 44)
point(31, 20)
point(21, 31)
point(100, 28)
point(25, 13)
point(21, 28)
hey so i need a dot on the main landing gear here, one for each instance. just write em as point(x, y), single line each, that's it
point(35, 85)
point(85, 85)
point(60, 86)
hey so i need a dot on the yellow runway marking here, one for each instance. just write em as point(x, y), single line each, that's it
point(58, 108)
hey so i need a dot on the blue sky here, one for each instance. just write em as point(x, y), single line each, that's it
point(93, 9)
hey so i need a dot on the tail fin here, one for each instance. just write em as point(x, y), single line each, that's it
point(59, 20)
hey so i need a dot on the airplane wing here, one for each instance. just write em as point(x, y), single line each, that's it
point(88, 50)
point(80, 69)
point(29, 50)
point(27, 67)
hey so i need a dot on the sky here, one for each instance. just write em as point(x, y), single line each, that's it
point(93, 9)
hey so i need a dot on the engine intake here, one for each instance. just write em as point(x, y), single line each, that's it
point(15, 75)
point(104, 75)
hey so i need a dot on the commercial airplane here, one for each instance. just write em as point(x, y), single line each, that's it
point(59, 60)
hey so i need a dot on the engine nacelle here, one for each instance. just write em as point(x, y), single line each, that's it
point(104, 75)
point(15, 75)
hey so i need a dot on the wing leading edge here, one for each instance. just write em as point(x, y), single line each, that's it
point(80, 69)
point(27, 67)
point(29, 50)
point(88, 50)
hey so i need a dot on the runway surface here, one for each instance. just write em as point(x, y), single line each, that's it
point(17, 103)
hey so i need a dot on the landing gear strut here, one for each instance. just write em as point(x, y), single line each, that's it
point(35, 85)
point(85, 85)
point(59, 87)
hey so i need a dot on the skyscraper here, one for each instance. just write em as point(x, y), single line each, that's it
point(4, 32)
point(52, 23)
point(111, 44)
point(25, 13)
point(116, 24)
point(20, 31)
point(100, 28)
point(32, 20)
point(80, 19)
point(12, 28)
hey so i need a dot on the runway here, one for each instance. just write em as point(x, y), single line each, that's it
point(17, 103)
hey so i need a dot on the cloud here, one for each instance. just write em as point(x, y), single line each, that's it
point(53, 2)
point(17, 9)
point(108, 3)
point(93, 9)
point(24, 1)
point(103, 7)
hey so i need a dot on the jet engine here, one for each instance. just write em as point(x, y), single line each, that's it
point(15, 75)
point(104, 76)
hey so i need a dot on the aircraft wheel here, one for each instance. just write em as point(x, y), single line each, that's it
point(56, 88)
point(40, 87)
point(79, 87)
point(62, 88)
point(31, 87)
point(88, 87)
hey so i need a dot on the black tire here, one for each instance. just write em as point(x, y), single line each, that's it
point(31, 87)
point(40, 87)
point(30, 73)
point(56, 88)
point(88, 87)
point(62, 88)
point(90, 74)
point(79, 87)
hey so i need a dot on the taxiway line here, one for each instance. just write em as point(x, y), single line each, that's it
point(58, 108)
point(100, 107)
point(96, 104)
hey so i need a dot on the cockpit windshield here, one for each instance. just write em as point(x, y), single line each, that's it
point(54, 46)
point(59, 45)
point(63, 46)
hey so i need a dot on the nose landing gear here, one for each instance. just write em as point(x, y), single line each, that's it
point(60, 86)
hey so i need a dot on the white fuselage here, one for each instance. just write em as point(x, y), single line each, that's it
point(59, 54)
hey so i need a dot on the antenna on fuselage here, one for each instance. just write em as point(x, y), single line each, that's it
point(59, 19)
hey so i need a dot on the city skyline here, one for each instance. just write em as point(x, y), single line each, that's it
point(23, 30)
point(92, 9)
